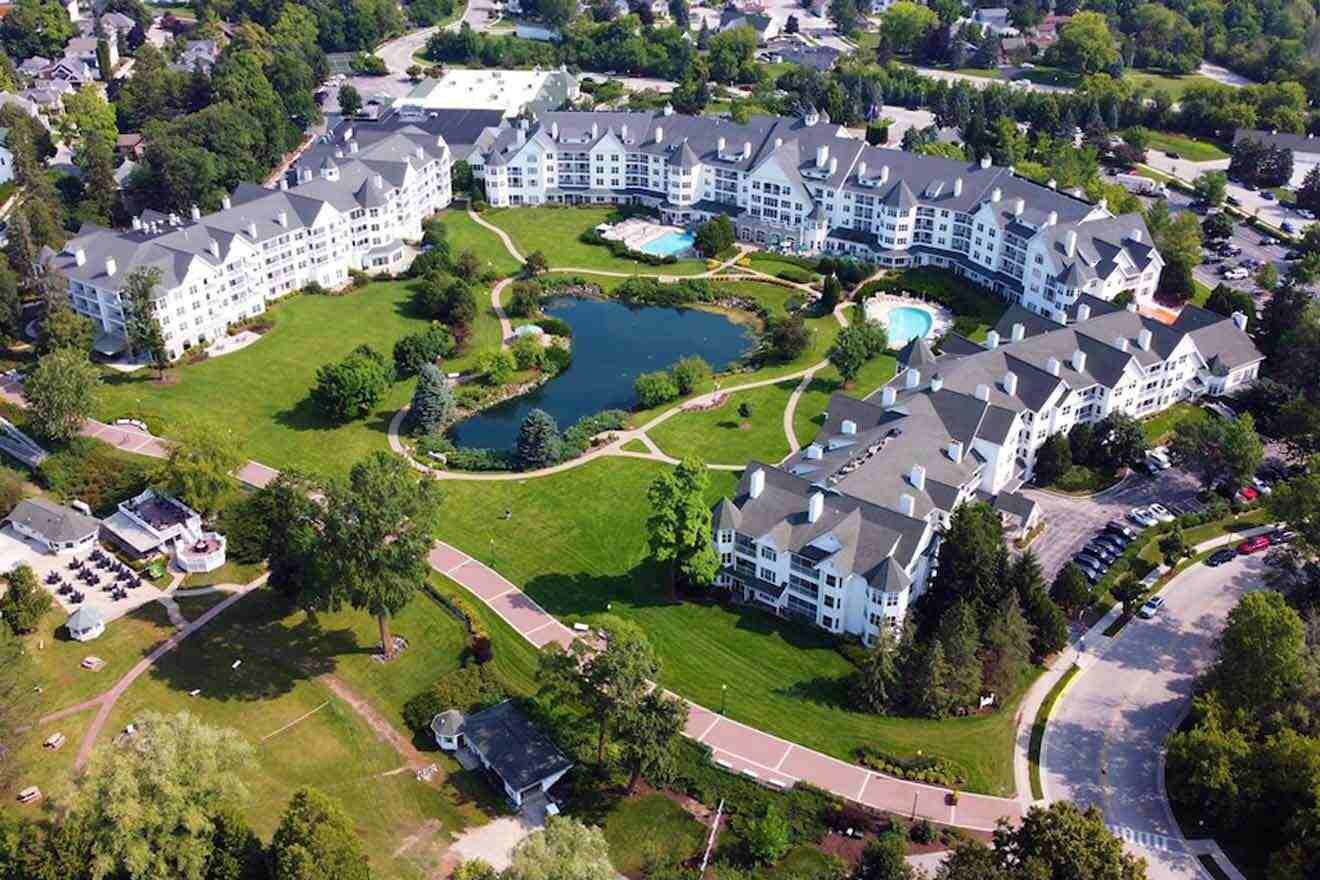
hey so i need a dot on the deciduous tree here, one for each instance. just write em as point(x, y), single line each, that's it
point(199, 467)
point(61, 392)
point(24, 603)
point(315, 840)
point(564, 849)
point(679, 527)
point(1217, 449)
point(145, 335)
point(349, 389)
point(648, 736)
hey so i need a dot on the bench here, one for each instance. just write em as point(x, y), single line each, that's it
point(54, 741)
point(29, 795)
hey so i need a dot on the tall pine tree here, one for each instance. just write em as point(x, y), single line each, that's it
point(433, 403)
point(538, 444)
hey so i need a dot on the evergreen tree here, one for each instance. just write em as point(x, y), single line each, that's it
point(144, 330)
point(930, 685)
point(960, 639)
point(1008, 647)
point(1049, 628)
point(11, 304)
point(433, 405)
point(22, 250)
point(879, 686)
point(1053, 459)
point(972, 560)
point(316, 841)
point(1071, 590)
point(538, 443)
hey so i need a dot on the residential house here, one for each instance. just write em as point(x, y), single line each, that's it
point(84, 49)
point(995, 20)
point(198, 55)
point(790, 50)
point(6, 158)
point(765, 26)
point(57, 528)
point(523, 758)
point(131, 145)
point(34, 67)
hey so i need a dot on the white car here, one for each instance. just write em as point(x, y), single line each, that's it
point(1261, 486)
point(1236, 274)
point(1158, 460)
point(1142, 516)
point(1161, 513)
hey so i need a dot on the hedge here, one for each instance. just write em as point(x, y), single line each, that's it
point(621, 250)
point(927, 769)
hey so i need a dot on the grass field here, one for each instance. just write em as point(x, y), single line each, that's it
point(576, 543)
point(555, 231)
point(230, 573)
point(465, 234)
point(810, 412)
point(722, 436)
point(1191, 149)
point(1038, 729)
point(262, 392)
point(650, 825)
point(1160, 427)
point(1173, 84)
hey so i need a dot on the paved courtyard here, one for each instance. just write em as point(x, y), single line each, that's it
point(1073, 521)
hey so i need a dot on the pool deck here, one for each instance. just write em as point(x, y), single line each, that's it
point(638, 234)
point(878, 307)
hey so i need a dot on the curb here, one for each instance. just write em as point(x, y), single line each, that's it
point(1045, 737)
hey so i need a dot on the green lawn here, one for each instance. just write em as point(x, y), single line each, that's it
point(262, 392)
point(577, 543)
point(772, 264)
point(634, 445)
point(1160, 427)
point(555, 231)
point(465, 234)
point(405, 824)
point(1038, 729)
point(803, 861)
point(1051, 76)
point(230, 573)
point(722, 436)
point(1174, 84)
point(640, 828)
point(1191, 149)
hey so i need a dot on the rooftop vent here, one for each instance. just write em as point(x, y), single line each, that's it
point(226, 203)
point(1083, 312)
point(983, 392)
point(1052, 366)
point(1240, 321)
point(1079, 360)
point(848, 427)
point(79, 257)
point(1010, 383)
point(957, 186)
point(917, 477)
point(996, 194)
point(111, 267)
point(936, 382)
point(985, 163)
point(756, 485)
point(907, 505)
point(1019, 332)
point(992, 339)
point(815, 506)
point(815, 452)
point(1144, 339)
point(888, 396)
point(913, 378)
point(956, 451)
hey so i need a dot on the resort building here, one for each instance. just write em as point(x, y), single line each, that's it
point(845, 533)
point(352, 203)
point(153, 524)
point(56, 528)
point(512, 92)
point(807, 184)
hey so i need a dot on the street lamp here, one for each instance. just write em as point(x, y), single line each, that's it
point(724, 697)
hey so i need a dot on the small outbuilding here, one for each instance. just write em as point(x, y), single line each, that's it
point(507, 744)
point(57, 528)
point(85, 624)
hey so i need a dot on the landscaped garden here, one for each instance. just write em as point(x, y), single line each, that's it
point(1160, 427)
point(556, 233)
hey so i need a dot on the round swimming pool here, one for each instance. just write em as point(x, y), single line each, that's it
point(906, 323)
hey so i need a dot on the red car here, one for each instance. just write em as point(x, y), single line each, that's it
point(1251, 545)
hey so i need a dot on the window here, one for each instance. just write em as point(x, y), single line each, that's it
point(768, 574)
point(769, 553)
point(831, 580)
point(827, 622)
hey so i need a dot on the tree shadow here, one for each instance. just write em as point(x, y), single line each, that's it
point(822, 690)
point(277, 649)
point(584, 593)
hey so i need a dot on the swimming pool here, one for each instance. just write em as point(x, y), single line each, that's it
point(669, 244)
point(906, 323)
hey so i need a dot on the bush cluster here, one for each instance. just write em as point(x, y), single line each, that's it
point(622, 251)
point(650, 292)
point(469, 688)
point(928, 769)
point(93, 473)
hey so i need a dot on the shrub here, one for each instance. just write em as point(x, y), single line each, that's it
point(470, 687)
point(923, 832)
point(745, 409)
point(417, 350)
point(926, 768)
point(578, 437)
point(655, 388)
point(798, 276)
point(465, 459)
point(245, 529)
point(557, 359)
point(689, 372)
point(11, 490)
point(555, 327)
point(524, 299)
point(25, 602)
point(314, 288)
point(94, 473)
point(622, 251)
point(421, 709)
point(351, 388)
point(528, 353)
point(496, 366)
point(715, 235)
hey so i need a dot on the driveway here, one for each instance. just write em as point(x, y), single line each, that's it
point(1106, 735)
point(1072, 521)
point(494, 841)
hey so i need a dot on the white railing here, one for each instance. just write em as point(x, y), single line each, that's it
point(195, 561)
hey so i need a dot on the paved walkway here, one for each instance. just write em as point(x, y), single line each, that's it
point(734, 746)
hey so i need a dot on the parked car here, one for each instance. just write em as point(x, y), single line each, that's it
point(1171, 154)
point(1101, 552)
point(1121, 531)
point(1151, 608)
point(1287, 227)
point(1261, 486)
point(1107, 540)
point(1219, 557)
point(1280, 536)
point(1245, 495)
point(1235, 274)
point(1267, 195)
point(1253, 545)
point(1160, 461)
point(1142, 516)
point(1086, 558)
point(1161, 513)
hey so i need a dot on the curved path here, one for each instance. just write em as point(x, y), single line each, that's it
point(1104, 741)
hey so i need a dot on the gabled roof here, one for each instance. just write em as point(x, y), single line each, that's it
point(54, 522)
point(518, 752)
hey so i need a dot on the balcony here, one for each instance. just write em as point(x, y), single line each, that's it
point(202, 555)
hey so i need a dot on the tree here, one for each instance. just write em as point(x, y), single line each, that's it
point(1128, 591)
point(425, 348)
point(351, 388)
point(1049, 627)
point(767, 836)
point(284, 523)
point(1177, 283)
point(1085, 44)
point(930, 683)
point(61, 392)
point(905, 23)
point(648, 736)
point(350, 101)
point(1071, 590)
point(1062, 840)
point(1262, 654)
point(414, 72)
point(1053, 459)
point(376, 533)
point(496, 367)
point(1308, 194)
point(878, 686)
point(653, 389)
point(715, 236)
point(24, 603)
point(536, 264)
point(1211, 187)
point(679, 527)
point(315, 840)
point(565, 849)
point(959, 636)
point(1118, 441)
point(972, 558)
point(150, 810)
point(11, 305)
point(1007, 647)
point(1173, 546)
point(199, 467)
point(433, 407)
point(847, 19)
point(789, 336)
point(144, 332)
point(63, 328)
point(1217, 226)
point(1218, 450)
point(1225, 300)
point(36, 27)
point(1297, 502)
point(1267, 278)
point(854, 346)
point(885, 858)
point(524, 300)
point(1204, 761)
point(690, 372)
point(538, 444)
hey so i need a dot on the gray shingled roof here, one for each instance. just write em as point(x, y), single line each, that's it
point(515, 749)
point(54, 522)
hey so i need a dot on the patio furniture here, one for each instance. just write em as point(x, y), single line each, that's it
point(94, 663)
point(29, 795)
point(54, 741)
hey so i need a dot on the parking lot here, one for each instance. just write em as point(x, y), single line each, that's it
point(1071, 521)
point(1255, 246)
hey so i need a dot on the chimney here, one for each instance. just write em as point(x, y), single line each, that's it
point(747, 149)
point(888, 396)
point(595, 132)
point(719, 145)
point(1052, 218)
point(983, 392)
point(861, 170)
point(834, 164)
point(756, 485)
point(348, 133)
point(1019, 205)
point(996, 194)
point(380, 181)
point(815, 452)
point(1143, 339)
point(1137, 235)
point(1132, 307)
point(339, 153)
point(992, 340)
point(521, 135)
point(1052, 366)
point(659, 134)
point(815, 506)
point(252, 231)
point(79, 257)
point(554, 131)
point(1019, 332)
point(111, 267)
point(779, 142)
point(283, 219)
point(1052, 183)
point(822, 154)
point(1122, 343)
point(1083, 312)
point(936, 382)
point(353, 147)
point(956, 450)
point(1070, 242)
point(214, 247)
point(197, 213)
point(1079, 360)
point(957, 187)
point(907, 505)
point(884, 173)
point(985, 163)
point(1239, 319)
point(1010, 383)
point(623, 132)
point(913, 378)
point(917, 477)
point(226, 203)
point(848, 427)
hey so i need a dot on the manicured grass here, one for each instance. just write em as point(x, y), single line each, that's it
point(326, 743)
point(634, 446)
point(262, 392)
point(810, 412)
point(722, 436)
point(465, 234)
point(576, 543)
point(650, 825)
point(230, 573)
point(1038, 729)
point(555, 231)
point(1051, 76)
point(1160, 427)
point(802, 861)
point(515, 658)
point(1191, 149)
point(772, 264)
point(1174, 84)
point(1082, 480)
point(979, 72)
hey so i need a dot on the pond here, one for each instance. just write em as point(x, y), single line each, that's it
point(613, 344)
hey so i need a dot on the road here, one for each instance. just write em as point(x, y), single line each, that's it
point(1106, 734)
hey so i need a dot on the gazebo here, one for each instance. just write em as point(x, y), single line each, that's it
point(85, 624)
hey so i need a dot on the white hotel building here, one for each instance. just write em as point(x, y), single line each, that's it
point(809, 182)
point(352, 204)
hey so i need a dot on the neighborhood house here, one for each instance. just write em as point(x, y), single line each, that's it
point(507, 744)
